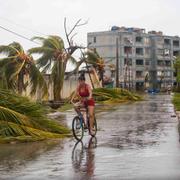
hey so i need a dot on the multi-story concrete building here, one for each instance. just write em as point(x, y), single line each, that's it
point(144, 58)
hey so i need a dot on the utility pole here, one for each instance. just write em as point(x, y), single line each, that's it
point(129, 76)
point(117, 63)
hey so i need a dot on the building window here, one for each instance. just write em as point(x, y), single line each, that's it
point(139, 39)
point(139, 74)
point(168, 63)
point(160, 52)
point(139, 62)
point(168, 73)
point(94, 39)
point(176, 53)
point(128, 61)
point(176, 43)
point(146, 41)
point(127, 50)
point(167, 41)
point(159, 73)
point(160, 63)
point(139, 51)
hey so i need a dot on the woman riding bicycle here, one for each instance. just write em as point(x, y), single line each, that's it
point(85, 92)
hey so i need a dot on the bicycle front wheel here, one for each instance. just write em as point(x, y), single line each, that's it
point(77, 128)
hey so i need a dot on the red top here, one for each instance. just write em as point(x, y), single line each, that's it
point(83, 90)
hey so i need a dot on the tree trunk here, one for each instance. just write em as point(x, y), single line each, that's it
point(102, 77)
point(58, 80)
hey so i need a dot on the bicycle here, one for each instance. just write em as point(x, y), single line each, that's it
point(78, 123)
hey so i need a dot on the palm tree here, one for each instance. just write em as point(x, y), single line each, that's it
point(98, 63)
point(53, 59)
point(16, 66)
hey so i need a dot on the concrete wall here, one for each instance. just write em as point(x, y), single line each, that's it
point(69, 86)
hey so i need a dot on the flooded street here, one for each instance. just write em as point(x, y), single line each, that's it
point(134, 141)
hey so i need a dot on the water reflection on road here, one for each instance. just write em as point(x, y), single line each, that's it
point(83, 158)
point(135, 141)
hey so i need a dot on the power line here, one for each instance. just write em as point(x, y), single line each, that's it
point(22, 26)
point(17, 34)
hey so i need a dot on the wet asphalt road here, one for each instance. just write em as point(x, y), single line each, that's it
point(134, 141)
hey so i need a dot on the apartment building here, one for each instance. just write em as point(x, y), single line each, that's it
point(145, 59)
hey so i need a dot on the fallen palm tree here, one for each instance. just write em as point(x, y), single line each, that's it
point(114, 95)
point(23, 120)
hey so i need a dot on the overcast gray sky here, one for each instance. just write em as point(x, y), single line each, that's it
point(46, 16)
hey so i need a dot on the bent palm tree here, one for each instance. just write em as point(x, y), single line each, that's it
point(94, 59)
point(16, 66)
point(54, 58)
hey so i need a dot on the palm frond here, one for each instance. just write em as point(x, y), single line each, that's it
point(41, 50)
point(5, 61)
point(114, 95)
point(57, 41)
point(10, 57)
point(41, 39)
point(7, 50)
point(10, 115)
point(21, 117)
point(12, 129)
point(44, 61)
point(17, 47)
point(37, 81)
point(19, 67)
point(46, 42)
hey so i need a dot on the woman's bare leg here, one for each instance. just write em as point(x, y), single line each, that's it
point(91, 116)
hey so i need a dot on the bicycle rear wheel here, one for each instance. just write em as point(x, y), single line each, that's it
point(77, 128)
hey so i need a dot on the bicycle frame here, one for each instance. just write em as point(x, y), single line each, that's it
point(80, 114)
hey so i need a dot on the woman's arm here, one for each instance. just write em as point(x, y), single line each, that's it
point(74, 95)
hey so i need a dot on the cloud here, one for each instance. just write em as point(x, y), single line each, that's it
point(47, 16)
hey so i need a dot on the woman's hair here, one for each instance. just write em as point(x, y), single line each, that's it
point(82, 77)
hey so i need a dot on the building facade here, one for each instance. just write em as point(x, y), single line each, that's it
point(145, 59)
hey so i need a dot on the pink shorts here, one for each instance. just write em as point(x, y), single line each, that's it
point(89, 102)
